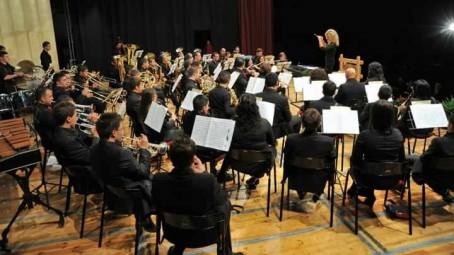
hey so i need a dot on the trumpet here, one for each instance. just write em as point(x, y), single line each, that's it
point(80, 108)
point(96, 95)
point(153, 148)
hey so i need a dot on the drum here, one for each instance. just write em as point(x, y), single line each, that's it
point(22, 99)
point(5, 103)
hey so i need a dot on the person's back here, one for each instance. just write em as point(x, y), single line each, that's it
point(282, 115)
point(258, 137)
point(352, 93)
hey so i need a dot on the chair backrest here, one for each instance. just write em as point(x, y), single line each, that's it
point(383, 169)
point(250, 156)
point(356, 62)
point(309, 163)
point(192, 222)
point(83, 179)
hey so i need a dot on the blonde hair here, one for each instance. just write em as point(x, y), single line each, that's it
point(334, 36)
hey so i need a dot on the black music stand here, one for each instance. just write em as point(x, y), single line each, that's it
point(28, 198)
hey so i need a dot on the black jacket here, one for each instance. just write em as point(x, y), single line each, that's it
point(188, 121)
point(72, 147)
point(259, 137)
point(132, 109)
point(45, 125)
point(220, 103)
point(282, 115)
point(439, 147)
point(324, 103)
point(212, 66)
point(46, 59)
point(240, 84)
point(352, 94)
point(189, 84)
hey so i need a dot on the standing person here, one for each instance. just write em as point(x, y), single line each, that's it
point(7, 74)
point(46, 59)
point(329, 47)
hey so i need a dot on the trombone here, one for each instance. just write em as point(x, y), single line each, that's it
point(96, 95)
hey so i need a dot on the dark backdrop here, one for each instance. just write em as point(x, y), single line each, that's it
point(406, 38)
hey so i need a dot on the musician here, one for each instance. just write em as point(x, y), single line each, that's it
point(118, 167)
point(43, 119)
point(242, 81)
point(252, 133)
point(7, 74)
point(282, 57)
point(82, 78)
point(165, 63)
point(133, 102)
point(128, 82)
point(318, 74)
point(375, 72)
point(197, 55)
point(61, 87)
point(236, 51)
point(223, 54)
point(352, 93)
point(188, 190)
point(265, 69)
point(283, 122)
point(325, 103)
point(192, 75)
point(309, 144)
point(220, 101)
point(329, 47)
point(71, 146)
point(201, 107)
point(208, 47)
point(381, 142)
point(384, 93)
point(258, 56)
point(143, 65)
point(120, 48)
point(45, 57)
point(215, 60)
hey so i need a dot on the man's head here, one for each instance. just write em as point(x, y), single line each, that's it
point(83, 71)
point(282, 56)
point(193, 72)
point(44, 96)
point(201, 104)
point(4, 58)
point(265, 68)
point(65, 114)
point(236, 50)
point(222, 51)
point(259, 52)
point(182, 152)
point(382, 115)
point(350, 73)
point(109, 126)
point(215, 56)
point(271, 80)
point(385, 92)
point(329, 88)
point(61, 79)
point(46, 46)
point(319, 74)
point(197, 56)
point(144, 63)
point(224, 77)
point(136, 85)
point(239, 63)
point(311, 120)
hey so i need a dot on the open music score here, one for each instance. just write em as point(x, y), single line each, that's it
point(213, 132)
point(177, 81)
point(338, 78)
point(285, 78)
point(428, 116)
point(340, 121)
point(313, 91)
point(372, 89)
point(217, 71)
point(233, 77)
point(155, 116)
point(266, 110)
point(187, 103)
point(255, 85)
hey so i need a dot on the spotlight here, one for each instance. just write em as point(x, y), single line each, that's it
point(451, 27)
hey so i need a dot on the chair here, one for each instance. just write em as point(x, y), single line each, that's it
point(302, 166)
point(440, 171)
point(81, 179)
point(380, 176)
point(200, 223)
point(356, 62)
point(243, 160)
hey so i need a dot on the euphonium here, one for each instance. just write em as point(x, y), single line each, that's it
point(148, 78)
point(207, 83)
point(130, 54)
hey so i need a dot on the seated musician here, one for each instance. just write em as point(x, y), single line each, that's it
point(318, 74)
point(215, 60)
point(284, 123)
point(439, 147)
point(71, 146)
point(258, 58)
point(265, 69)
point(384, 93)
point(325, 103)
point(309, 144)
point(61, 87)
point(252, 132)
point(116, 166)
point(352, 93)
point(375, 72)
point(242, 80)
point(43, 119)
point(197, 55)
point(82, 78)
point(192, 75)
point(143, 64)
point(381, 142)
point(7, 74)
point(236, 50)
point(128, 82)
point(188, 190)
point(133, 102)
point(220, 101)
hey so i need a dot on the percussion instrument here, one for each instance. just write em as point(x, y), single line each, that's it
point(22, 99)
point(5, 103)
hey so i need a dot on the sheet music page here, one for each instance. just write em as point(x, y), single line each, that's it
point(250, 85)
point(299, 82)
point(266, 110)
point(285, 77)
point(121, 108)
point(340, 122)
point(200, 130)
point(172, 69)
point(206, 57)
point(338, 78)
point(429, 115)
point(187, 103)
point(318, 83)
point(372, 91)
point(155, 117)
point(220, 134)
point(416, 102)
point(259, 85)
point(233, 77)
point(274, 69)
point(375, 83)
point(312, 92)
point(175, 84)
point(340, 108)
point(217, 71)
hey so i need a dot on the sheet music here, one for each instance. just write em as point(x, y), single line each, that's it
point(372, 91)
point(213, 132)
point(138, 54)
point(187, 103)
point(312, 92)
point(155, 117)
point(200, 129)
point(299, 82)
point(375, 82)
point(121, 108)
point(255, 85)
point(172, 69)
point(318, 83)
point(266, 110)
point(285, 77)
point(206, 57)
point(340, 122)
point(217, 71)
point(416, 102)
point(274, 69)
point(175, 84)
point(429, 115)
point(338, 78)
point(233, 77)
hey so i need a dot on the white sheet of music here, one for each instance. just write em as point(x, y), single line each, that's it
point(312, 92)
point(175, 84)
point(340, 122)
point(172, 69)
point(213, 132)
point(375, 82)
point(266, 110)
point(121, 108)
point(233, 77)
point(274, 69)
point(429, 115)
point(299, 82)
point(155, 116)
point(217, 71)
point(285, 78)
point(255, 85)
point(372, 91)
point(206, 57)
point(187, 103)
point(338, 78)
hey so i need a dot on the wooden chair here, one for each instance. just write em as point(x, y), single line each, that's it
point(355, 62)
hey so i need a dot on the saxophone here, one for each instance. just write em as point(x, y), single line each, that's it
point(233, 97)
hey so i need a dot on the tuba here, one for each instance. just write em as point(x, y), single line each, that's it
point(130, 54)
point(120, 65)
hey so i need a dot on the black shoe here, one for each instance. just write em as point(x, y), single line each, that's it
point(148, 225)
point(252, 183)
point(224, 177)
point(237, 253)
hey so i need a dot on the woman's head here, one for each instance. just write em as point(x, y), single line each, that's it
point(375, 72)
point(319, 74)
point(332, 36)
point(247, 111)
point(422, 89)
point(382, 115)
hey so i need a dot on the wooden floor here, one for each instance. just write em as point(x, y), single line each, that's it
point(36, 230)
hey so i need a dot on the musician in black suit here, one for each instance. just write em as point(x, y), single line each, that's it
point(220, 101)
point(190, 81)
point(43, 119)
point(352, 93)
point(384, 93)
point(242, 80)
point(283, 123)
point(188, 190)
point(215, 60)
point(117, 166)
point(325, 103)
point(133, 102)
point(381, 142)
point(7, 74)
point(309, 144)
point(45, 57)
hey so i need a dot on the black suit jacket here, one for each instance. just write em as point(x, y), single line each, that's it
point(46, 59)
point(212, 66)
point(72, 147)
point(189, 119)
point(324, 103)
point(220, 103)
point(240, 84)
point(132, 109)
point(259, 137)
point(45, 125)
point(439, 147)
point(282, 115)
point(189, 84)
point(351, 94)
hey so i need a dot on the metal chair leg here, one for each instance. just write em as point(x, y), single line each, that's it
point(414, 145)
point(424, 146)
point(356, 212)
point(138, 234)
point(331, 217)
point(68, 198)
point(101, 228)
point(423, 205)
point(282, 200)
point(344, 193)
point(84, 210)
point(275, 178)
point(410, 220)
point(61, 180)
point(268, 198)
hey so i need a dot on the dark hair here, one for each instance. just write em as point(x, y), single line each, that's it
point(145, 102)
point(107, 123)
point(422, 89)
point(271, 80)
point(2, 48)
point(385, 92)
point(181, 152)
point(62, 111)
point(191, 71)
point(319, 74)
point(215, 53)
point(45, 43)
point(375, 72)
point(224, 77)
point(3, 53)
point(188, 56)
point(382, 115)
point(239, 62)
point(134, 82)
point(58, 76)
point(265, 68)
point(199, 102)
point(329, 88)
point(311, 120)
point(141, 61)
point(40, 92)
point(82, 68)
point(247, 112)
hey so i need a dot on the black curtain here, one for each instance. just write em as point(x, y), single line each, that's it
point(155, 25)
